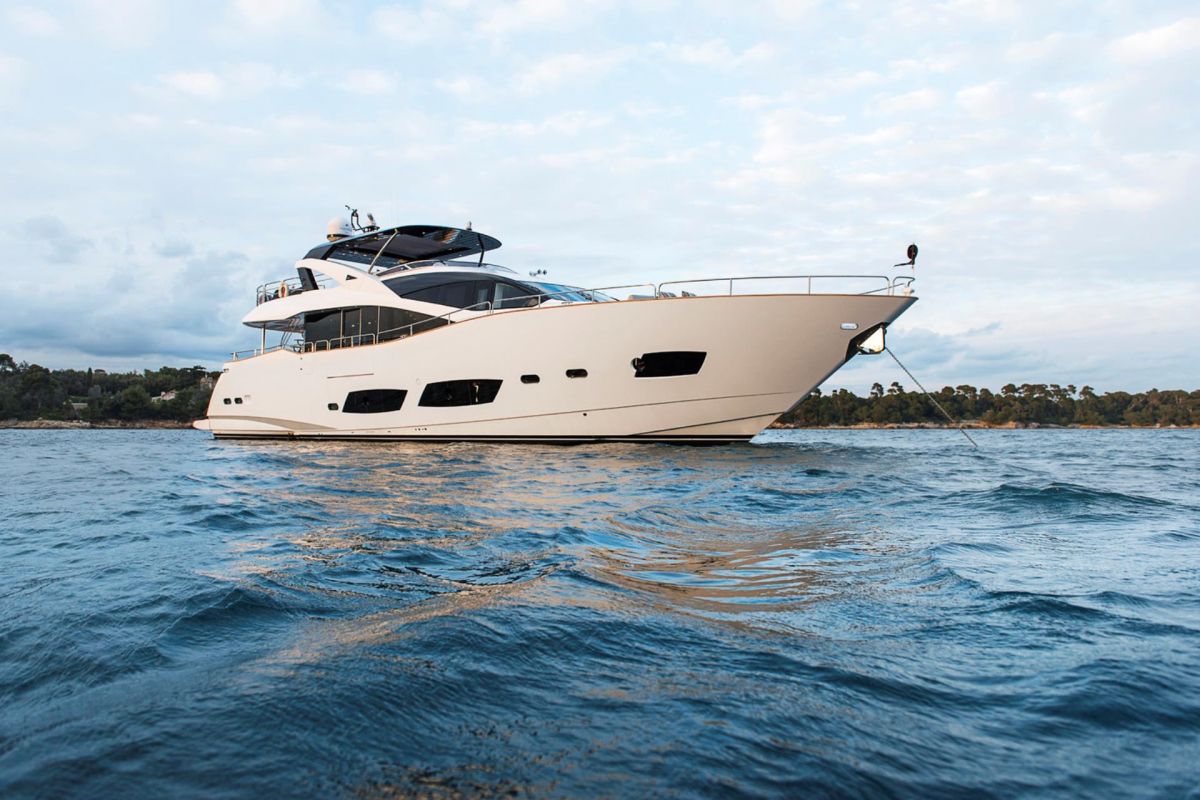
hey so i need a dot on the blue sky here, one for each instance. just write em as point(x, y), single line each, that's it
point(161, 160)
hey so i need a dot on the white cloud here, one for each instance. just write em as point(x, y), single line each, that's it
point(716, 53)
point(368, 81)
point(413, 25)
point(910, 102)
point(509, 18)
point(32, 21)
point(985, 101)
point(200, 83)
point(1168, 41)
point(568, 68)
point(124, 23)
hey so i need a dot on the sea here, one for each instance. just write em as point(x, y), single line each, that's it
point(866, 613)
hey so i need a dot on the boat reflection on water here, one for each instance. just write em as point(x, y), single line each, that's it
point(412, 532)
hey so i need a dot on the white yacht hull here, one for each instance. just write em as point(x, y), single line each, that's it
point(764, 354)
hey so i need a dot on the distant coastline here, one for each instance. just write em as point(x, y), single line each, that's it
point(32, 397)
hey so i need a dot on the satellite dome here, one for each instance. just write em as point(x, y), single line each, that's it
point(338, 228)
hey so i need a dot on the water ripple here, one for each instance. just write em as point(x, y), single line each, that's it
point(822, 613)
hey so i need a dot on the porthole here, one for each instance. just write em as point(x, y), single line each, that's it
point(332, 406)
point(237, 400)
point(228, 402)
point(577, 373)
point(849, 326)
point(530, 379)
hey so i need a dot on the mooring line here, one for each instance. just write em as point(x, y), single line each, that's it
point(936, 404)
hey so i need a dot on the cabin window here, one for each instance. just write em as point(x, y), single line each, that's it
point(342, 327)
point(471, 392)
point(577, 373)
point(668, 364)
point(530, 379)
point(332, 406)
point(509, 295)
point(396, 323)
point(373, 401)
point(228, 402)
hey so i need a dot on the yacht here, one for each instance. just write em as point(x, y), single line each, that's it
point(406, 333)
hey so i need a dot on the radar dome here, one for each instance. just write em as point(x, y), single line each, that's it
point(338, 228)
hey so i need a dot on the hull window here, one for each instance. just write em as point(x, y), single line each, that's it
point(668, 364)
point(577, 373)
point(372, 401)
point(460, 393)
point(530, 379)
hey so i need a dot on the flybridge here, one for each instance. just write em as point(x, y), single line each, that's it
point(392, 247)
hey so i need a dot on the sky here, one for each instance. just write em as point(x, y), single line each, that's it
point(158, 161)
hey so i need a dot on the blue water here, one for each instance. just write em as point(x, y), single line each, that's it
point(855, 613)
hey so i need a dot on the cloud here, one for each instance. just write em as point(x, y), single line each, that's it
point(199, 83)
point(910, 102)
point(568, 68)
point(521, 16)
point(124, 23)
point(413, 24)
point(716, 53)
point(1178, 38)
point(51, 236)
point(13, 72)
point(32, 21)
point(368, 81)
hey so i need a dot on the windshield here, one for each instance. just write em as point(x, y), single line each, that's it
point(568, 294)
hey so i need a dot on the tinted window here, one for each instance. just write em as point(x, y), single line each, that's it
point(667, 364)
point(471, 392)
point(510, 295)
point(322, 326)
point(530, 379)
point(396, 323)
point(577, 373)
point(373, 401)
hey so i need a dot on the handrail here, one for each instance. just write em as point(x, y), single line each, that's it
point(889, 283)
point(294, 285)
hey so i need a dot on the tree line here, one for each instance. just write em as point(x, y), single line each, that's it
point(1025, 404)
point(30, 391)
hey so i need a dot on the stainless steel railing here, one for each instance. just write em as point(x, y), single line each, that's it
point(890, 285)
point(273, 290)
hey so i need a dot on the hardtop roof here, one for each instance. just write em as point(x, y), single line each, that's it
point(389, 247)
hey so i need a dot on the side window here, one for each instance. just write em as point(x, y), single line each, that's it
point(396, 323)
point(373, 401)
point(668, 364)
point(509, 295)
point(472, 392)
point(321, 328)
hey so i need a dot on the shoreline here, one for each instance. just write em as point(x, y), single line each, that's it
point(161, 424)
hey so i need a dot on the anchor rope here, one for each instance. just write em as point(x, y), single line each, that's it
point(932, 399)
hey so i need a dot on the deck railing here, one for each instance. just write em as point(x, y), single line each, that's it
point(273, 290)
point(901, 284)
